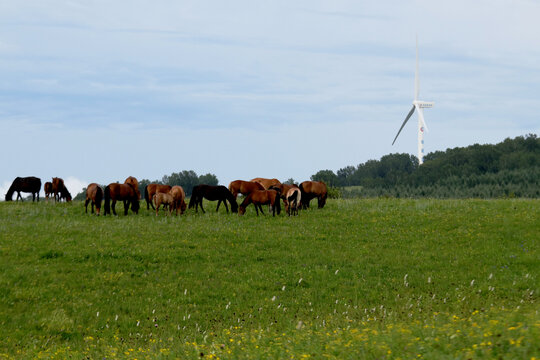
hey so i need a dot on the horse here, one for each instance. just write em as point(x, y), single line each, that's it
point(160, 198)
point(266, 183)
point(125, 192)
point(292, 200)
point(135, 184)
point(283, 189)
point(29, 184)
point(57, 186)
point(64, 194)
point(313, 189)
point(261, 197)
point(94, 194)
point(47, 187)
point(212, 193)
point(150, 190)
point(179, 197)
point(244, 187)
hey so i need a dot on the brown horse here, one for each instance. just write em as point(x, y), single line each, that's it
point(243, 187)
point(29, 184)
point(150, 190)
point(212, 193)
point(179, 196)
point(135, 184)
point(125, 192)
point(266, 183)
point(57, 186)
point(292, 201)
point(283, 189)
point(261, 197)
point(313, 189)
point(160, 198)
point(48, 189)
point(94, 194)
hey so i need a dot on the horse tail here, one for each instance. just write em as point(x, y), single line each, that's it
point(232, 201)
point(99, 197)
point(146, 197)
point(107, 197)
point(277, 203)
point(193, 199)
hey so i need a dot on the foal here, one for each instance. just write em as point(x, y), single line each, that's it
point(165, 199)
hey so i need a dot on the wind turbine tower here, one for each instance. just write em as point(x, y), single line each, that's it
point(419, 106)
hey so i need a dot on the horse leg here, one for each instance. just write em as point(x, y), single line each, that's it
point(86, 206)
point(218, 203)
point(260, 208)
point(226, 207)
point(113, 207)
point(201, 201)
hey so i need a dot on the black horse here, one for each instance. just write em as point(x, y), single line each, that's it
point(212, 193)
point(29, 184)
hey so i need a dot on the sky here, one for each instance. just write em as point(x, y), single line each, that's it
point(96, 91)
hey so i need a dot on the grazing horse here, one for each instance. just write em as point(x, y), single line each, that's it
point(179, 196)
point(293, 201)
point(244, 187)
point(29, 184)
point(160, 198)
point(47, 188)
point(313, 189)
point(261, 197)
point(57, 186)
point(94, 194)
point(125, 192)
point(65, 194)
point(266, 183)
point(212, 193)
point(150, 190)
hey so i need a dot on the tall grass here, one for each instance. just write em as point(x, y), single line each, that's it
point(376, 278)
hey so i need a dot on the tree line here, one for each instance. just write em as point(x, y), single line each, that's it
point(510, 168)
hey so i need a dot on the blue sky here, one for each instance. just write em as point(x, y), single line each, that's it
point(96, 91)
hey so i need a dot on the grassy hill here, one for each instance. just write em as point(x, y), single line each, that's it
point(373, 278)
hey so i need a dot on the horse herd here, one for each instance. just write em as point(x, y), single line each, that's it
point(258, 191)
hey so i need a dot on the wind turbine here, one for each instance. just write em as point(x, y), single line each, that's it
point(419, 106)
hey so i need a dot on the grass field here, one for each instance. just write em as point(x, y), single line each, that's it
point(375, 279)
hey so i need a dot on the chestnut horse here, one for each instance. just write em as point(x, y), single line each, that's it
point(266, 183)
point(48, 189)
point(179, 196)
point(128, 192)
point(261, 197)
point(243, 187)
point(29, 184)
point(313, 189)
point(135, 184)
point(160, 198)
point(150, 190)
point(292, 201)
point(212, 193)
point(57, 186)
point(94, 194)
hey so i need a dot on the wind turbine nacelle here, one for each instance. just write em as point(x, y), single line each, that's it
point(424, 104)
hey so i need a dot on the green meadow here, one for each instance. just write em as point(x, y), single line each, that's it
point(361, 278)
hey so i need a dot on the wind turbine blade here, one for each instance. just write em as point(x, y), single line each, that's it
point(416, 78)
point(421, 116)
point(402, 125)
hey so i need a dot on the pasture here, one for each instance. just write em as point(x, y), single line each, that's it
point(370, 278)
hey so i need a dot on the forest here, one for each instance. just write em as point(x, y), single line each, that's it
point(510, 168)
